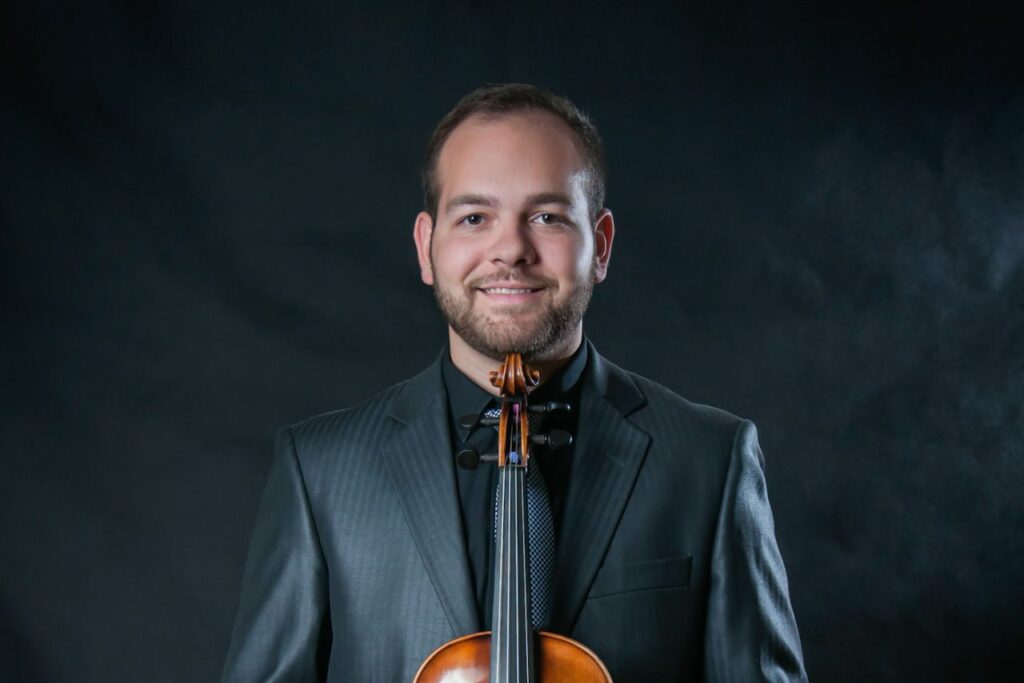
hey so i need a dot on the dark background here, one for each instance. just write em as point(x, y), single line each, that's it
point(206, 215)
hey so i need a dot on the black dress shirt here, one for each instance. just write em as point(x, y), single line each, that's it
point(476, 487)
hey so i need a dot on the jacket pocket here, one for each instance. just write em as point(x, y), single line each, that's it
point(669, 572)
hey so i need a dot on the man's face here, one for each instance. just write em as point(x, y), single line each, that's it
point(513, 254)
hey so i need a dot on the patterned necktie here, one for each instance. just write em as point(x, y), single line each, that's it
point(540, 530)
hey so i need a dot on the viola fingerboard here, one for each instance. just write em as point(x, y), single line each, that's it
point(512, 647)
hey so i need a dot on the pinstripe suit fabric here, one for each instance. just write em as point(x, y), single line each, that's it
point(667, 563)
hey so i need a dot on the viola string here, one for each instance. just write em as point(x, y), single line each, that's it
point(500, 588)
point(512, 629)
point(523, 616)
point(515, 516)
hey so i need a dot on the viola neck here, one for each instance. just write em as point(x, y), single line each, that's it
point(512, 651)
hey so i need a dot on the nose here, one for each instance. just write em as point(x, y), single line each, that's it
point(512, 245)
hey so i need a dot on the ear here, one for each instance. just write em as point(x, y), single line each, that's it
point(604, 235)
point(421, 232)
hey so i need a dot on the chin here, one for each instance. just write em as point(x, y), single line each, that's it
point(510, 342)
point(534, 342)
point(539, 331)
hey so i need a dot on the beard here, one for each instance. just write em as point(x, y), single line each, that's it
point(538, 331)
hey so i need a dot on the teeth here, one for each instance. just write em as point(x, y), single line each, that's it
point(506, 290)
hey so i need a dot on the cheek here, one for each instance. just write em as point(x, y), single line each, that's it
point(584, 262)
point(579, 258)
point(452, 262)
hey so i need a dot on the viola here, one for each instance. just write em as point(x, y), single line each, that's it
point(512, 652)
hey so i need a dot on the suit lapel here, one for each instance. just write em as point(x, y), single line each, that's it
point(419, 460)
point(608, 455)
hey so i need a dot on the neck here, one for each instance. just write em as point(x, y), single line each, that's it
point(478, 366)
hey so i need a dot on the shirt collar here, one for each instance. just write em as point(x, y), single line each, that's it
point(465, 397)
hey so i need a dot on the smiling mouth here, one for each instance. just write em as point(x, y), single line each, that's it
point(510, 290)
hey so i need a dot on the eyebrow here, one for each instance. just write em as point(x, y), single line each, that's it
point(469, 200)
point(549, 198)
point(488, 200)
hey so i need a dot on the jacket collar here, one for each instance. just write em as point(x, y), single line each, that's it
point(419, 460)
point(610, 451)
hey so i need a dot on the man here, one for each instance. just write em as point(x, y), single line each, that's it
point(372, 548)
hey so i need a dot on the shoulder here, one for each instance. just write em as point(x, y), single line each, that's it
point(367, 422)
point(678, 423)
point(345, 419)
point(693, 446)
point(661, 398)
point(662, 403)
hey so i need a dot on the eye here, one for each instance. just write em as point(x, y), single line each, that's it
point(550, 218)
point(472, 219)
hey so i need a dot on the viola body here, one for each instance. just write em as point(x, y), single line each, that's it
point(467, 660)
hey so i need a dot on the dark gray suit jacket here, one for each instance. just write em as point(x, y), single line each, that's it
point(667, 564)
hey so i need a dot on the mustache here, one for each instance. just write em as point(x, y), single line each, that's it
point(510, 276)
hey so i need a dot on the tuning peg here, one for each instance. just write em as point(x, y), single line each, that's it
point(472, 421)
point(553, 440)
point(468, 459)
point(550, 407)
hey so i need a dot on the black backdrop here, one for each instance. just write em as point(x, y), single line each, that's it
point(206, 215)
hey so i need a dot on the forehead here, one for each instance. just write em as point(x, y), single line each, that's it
point(525, 151)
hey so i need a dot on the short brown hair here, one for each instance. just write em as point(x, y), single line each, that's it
point(495, 101)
